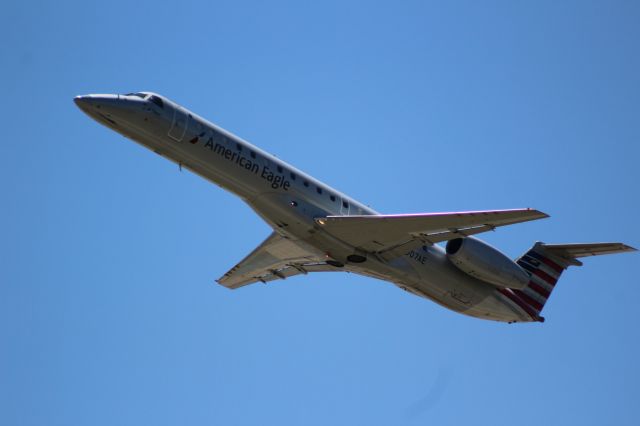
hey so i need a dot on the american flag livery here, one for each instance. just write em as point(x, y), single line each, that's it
point(544, 271)
point(545, 263)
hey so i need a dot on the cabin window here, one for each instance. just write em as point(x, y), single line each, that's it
point(239, 147)
point(333, 198)
point(345, 204)
point(253, 154)
point(279, 169)
point(293, 176)
point(319, 190)
point(306, 183)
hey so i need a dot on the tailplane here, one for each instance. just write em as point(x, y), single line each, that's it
point(546, 262)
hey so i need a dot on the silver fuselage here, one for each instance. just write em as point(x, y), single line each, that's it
point(290, 200)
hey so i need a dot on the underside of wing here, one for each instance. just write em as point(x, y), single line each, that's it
point(381, 233)
point(276, 258)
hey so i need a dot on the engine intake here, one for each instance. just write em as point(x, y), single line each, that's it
point(486, 263)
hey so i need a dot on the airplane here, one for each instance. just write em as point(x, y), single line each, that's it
point(319, 229)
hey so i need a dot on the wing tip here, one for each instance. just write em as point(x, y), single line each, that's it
point(538, 214)
point(624, 248)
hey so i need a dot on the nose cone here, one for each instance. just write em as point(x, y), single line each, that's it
point(95, 103)
point(92, 104)
point(113, 110)
point(107, 109)
point(82, 101)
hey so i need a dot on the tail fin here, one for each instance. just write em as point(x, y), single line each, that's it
point(546, 262)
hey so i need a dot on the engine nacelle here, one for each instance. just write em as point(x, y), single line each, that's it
point(484, 262)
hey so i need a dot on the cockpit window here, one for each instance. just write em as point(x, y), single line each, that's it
point(138, 94)
point(157, 100)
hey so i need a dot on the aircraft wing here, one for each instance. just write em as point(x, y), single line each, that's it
point(276, 258)
point(381, 233)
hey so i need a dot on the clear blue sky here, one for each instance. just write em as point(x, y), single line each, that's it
point(108, 307)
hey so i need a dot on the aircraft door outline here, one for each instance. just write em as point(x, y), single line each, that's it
point(344, 211)
point(179, 125)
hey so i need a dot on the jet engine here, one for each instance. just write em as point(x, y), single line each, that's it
point(485, 263)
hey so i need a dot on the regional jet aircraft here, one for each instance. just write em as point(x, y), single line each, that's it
point(319, 229)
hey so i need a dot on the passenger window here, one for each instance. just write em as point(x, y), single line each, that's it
point(253, 154)
point(306, 183)
point(319, 190)
point(333, 198)
point(279, 169)
point(239, 147)
point(293, 176)
point(345, 204)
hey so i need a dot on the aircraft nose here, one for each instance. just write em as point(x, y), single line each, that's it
point(96, 100)
point(83, 101)
point(99, 107)
point(103, 103)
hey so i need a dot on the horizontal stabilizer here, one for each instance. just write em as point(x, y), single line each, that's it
point(570, 252)
point(380, 233)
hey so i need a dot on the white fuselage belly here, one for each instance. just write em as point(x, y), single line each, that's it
point(289, 201)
